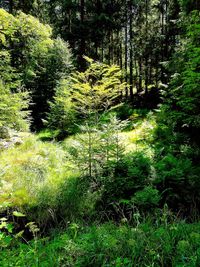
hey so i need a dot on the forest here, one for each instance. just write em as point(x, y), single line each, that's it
point(99, 133)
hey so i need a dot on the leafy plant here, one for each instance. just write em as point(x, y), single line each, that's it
point(147, 198)
point(128, 176)
point(13, 108)
point(177, 180)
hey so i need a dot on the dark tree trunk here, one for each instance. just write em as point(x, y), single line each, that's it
point(102, 51)
point(126, 51)
point(140, 75)
point(162, 40)
point(131, 49)
point(146, 52)
point(82, 49)
point(11, 6)
point(120, 56)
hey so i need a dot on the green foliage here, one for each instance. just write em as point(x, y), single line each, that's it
point(127, 111)
point(182, 98)
point(96, 88)
point(9, 236)
point(128, 177)
point(47, 134)
point(5, 238)
point(97, 147)
point(176, 244)
point(103, 172)
point(33, 58)
point(89, 94)
point(62, 115)
point(178, 181)
point(177, 149)
point(111, 144)
point(132, 173)
point(13, 108)
point(7, 72)
point(147, 198)
point(85, 95)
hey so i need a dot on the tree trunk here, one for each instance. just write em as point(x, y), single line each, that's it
point(126, 53)
point(82, 36)
point(140, 74)
point(11, 6)
point(146, 52)
point(102, 51)
point(131, 49)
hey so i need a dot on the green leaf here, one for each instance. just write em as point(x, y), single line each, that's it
point(19, 234)
point(3, 219)
point(18, 214)
point(9, 228)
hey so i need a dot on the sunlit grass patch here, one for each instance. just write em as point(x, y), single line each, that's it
point(30, 168)
point(141, 136)
point(47, 134)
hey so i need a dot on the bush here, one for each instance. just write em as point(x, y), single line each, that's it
point(130, 175)
point(178, 182)
point(147, 198)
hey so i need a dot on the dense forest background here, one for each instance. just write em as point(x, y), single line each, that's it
point(99, 133)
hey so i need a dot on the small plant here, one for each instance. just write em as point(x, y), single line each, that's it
point(98, 148)
point(7, 231)
point(121, 182)
point(74, 227)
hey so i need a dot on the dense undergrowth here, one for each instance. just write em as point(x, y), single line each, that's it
point(147, 244)
point(141, 230)
point(44, 177)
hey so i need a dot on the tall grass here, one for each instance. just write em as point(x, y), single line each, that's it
point(176, 244)
point(34, 177)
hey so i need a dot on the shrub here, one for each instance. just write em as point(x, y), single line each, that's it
point(129, 175)
point(178, 182)
point(147, 198)
point(97, 147)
